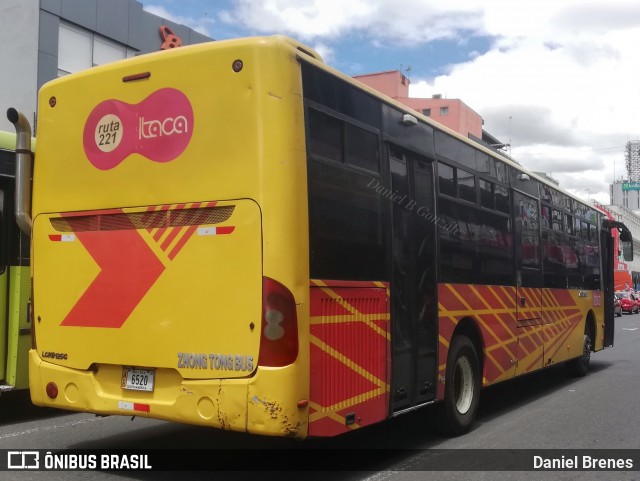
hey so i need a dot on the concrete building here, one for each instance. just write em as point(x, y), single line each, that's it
point(632, 221)
point(625, 193)
point(44, 39)
point(453, 113)
point(632, 160)
point(625, 204)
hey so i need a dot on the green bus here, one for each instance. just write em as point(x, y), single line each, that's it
point(15, 285)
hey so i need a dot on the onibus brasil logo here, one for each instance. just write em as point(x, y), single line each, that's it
point(158, 128)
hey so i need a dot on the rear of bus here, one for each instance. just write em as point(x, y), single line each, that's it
point(170, 243)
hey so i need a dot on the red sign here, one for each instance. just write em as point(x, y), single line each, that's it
point(169, 39)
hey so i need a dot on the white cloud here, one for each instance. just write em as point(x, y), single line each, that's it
point(410, 21)
point(561, 79)
point(325, 51)
point(200, 24)
point(562, 83)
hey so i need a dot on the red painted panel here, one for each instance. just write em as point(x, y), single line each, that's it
point(357, 342)
point(338, 382)
point(349, 356)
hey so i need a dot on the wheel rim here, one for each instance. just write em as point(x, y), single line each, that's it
point(463, 385)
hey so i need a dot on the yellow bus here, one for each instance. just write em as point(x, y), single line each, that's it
point(236, 235)
point(15, 326)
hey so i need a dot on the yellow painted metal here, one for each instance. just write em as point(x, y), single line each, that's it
point(15, 336)
point(19, 328)
point(4, 322)
point(246, 149)
point(202, 303)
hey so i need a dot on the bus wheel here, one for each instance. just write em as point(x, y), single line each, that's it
point(580, 366)
point(462, 388)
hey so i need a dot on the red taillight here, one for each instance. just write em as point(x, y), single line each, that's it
point(52, 390)
point(279, 333)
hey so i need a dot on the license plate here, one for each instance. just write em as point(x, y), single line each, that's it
point(137, 379)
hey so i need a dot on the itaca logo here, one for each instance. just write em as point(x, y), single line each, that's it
point(158, 128)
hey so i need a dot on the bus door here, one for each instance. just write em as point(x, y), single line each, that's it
point(413, 288)
point(526, 213)
point(608, 266)
point(4, 284)
point(15, 332)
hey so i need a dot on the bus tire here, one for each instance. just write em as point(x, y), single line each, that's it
point(579, 366)
point(458, 409)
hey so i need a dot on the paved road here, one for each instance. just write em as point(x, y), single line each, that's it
point(546, 410)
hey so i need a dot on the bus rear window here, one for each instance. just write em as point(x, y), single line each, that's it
point(325, 135)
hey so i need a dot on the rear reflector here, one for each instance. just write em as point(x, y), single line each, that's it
point(52, 390)
point(129, 406)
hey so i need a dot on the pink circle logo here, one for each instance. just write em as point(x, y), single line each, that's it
point(158, 128)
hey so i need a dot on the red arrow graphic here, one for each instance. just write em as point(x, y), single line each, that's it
point(128, 270)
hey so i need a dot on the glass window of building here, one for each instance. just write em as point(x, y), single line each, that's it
point(105, 51)
point(79, 49)
point(74, 50)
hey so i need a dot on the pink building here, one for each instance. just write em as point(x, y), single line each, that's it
point(453, 113)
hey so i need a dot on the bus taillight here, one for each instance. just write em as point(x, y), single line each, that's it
point(279, 334)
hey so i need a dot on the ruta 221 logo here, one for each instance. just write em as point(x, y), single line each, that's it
point(158, 128)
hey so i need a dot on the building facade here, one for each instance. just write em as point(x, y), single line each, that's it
point(626, 194)
point(452, 113)
point(632, 221)
point(625, 204)
point(632, 160)
point(41, 40)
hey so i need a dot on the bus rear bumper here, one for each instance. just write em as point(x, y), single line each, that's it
point(229, 404)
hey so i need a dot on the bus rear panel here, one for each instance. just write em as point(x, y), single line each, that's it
point(164, 226)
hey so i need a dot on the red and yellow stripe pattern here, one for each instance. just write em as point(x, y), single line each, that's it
point(351, 341)
point(132, 249)
point(515, 340)
point(350, 356)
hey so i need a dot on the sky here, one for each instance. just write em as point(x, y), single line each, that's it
point(559, 80)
